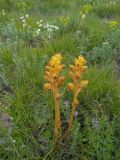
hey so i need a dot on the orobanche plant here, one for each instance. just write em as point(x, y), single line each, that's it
point(77, 86)
point(54, 80)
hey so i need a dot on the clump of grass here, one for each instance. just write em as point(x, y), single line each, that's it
point(103, 88)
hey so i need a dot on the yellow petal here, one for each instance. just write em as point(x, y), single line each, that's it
point(83, 83)
point(47, 86)
point(80, 61)
point(70, 86)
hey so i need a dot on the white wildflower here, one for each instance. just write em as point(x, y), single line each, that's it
point(47, 25)
point(40, 25)
point(14, 141)
point(24, 24)
point(56, 27)
point(83, 16)
point(22, 17)
point(23, 20)
point(105, 43)
point(27, 15)
point(37, 33)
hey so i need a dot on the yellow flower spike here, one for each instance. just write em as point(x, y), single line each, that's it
point(77, 86)
point(55, 80)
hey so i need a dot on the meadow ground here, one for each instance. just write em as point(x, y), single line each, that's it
point(30, 33)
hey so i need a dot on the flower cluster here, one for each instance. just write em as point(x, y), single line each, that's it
point(46, 28)
point(24, 18)
point(76, 72)
point(52, 74)
point(39, 28)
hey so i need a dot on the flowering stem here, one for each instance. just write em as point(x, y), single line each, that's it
point(70, 123)
point(74, 104)
point(71, 116)
point(57, 114)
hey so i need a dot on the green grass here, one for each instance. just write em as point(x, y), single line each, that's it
point(27, 111)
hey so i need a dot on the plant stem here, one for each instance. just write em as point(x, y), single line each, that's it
point(71, 116)
point(57, 114)
point(76, 92)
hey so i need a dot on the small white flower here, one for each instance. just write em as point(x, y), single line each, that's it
point(83, 16)
point(38, 22)
point(22, 17)
point(56, 27)
point(23, 20)
point(47, 25)
point(49, 36)
point(38, 32)
point(41, 20)
point(14, 141)
point(40, 25)
point(24, 24)
point(105, 43)
point(27, 15)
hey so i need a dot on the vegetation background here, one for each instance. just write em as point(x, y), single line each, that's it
point(30, 33)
